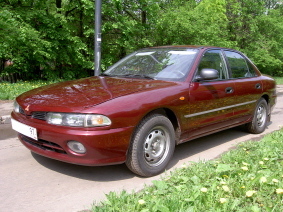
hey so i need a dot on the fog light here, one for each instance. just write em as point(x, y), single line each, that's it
point(76, 147)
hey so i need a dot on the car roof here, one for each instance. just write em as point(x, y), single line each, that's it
point(188, 46)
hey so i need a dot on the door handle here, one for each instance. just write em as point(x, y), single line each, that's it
point(229, 90)
point(258, 86)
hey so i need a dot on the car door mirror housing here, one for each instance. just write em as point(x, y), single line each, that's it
point(207, 74)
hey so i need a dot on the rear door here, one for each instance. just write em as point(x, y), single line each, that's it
point(210, 101)
point(247, 85)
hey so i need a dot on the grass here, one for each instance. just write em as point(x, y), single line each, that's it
point(12, 90)
point(248, 178)
point(9, 91)
point(279, 80)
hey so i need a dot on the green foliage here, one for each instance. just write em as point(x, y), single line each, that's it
point(40, 38)
point(204, 23)
point(126, 27)
point(54, 39)
point(267, 51)
point(248, 178)
point(256, 27)
point(20, 39)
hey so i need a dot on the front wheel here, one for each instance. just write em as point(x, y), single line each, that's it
point(260, 118)
point(152, 146)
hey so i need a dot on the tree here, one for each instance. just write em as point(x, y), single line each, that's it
point(38, 36)
point(256, 28)
point(55, 38)
point(126, 27)
point(189, 22)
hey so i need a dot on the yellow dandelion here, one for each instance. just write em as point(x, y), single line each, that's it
point(243, 186)
point(245, 168)
point(279, 191)
point(204, 190)
point(222, 200)
point(263, 180)
point(226, 188)
point(250, 193)
point(275, 180)
point(141, 202)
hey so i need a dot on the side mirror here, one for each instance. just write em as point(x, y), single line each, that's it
point(207, 74)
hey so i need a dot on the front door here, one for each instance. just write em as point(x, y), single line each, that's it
point(210, 101)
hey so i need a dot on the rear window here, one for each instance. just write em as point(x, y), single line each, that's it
point(239, 66)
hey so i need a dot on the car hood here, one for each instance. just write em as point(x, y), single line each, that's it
point(75, 95)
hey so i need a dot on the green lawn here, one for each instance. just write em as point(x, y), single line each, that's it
point(279, 80)
point(9, 91)
point(248, 178)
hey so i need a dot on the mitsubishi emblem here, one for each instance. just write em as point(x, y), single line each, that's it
point(27, 108)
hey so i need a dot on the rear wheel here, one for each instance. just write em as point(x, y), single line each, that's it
point(260, 118)
point(152, 146)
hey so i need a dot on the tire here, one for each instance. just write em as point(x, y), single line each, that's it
point(152, 146)
point(260, 118)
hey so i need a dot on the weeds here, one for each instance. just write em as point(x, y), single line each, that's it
point(248, 178)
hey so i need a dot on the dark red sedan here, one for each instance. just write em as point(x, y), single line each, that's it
point(144, 105)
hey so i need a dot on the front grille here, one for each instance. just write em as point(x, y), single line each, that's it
point(42, 144)
point(39, 115)
point(22, 111)
point(36, 115)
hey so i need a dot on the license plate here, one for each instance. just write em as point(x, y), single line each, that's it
point(24, 129)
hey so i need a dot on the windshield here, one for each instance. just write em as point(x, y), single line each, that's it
point(163, 64)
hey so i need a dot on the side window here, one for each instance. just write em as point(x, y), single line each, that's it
point(214, 59)
point(252, 72)
point(240, 67)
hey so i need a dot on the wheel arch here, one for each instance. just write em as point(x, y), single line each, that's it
point(170, 115)
point(152, 122)
point(267, 99)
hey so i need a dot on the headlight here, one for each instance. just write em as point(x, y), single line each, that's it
point(16, 107)
point(78, 120)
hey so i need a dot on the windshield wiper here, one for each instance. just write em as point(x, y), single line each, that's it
point(136, 76)
point(128, 75)
point(102, 74)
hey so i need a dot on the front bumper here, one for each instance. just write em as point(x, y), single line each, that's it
point(103, 147)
